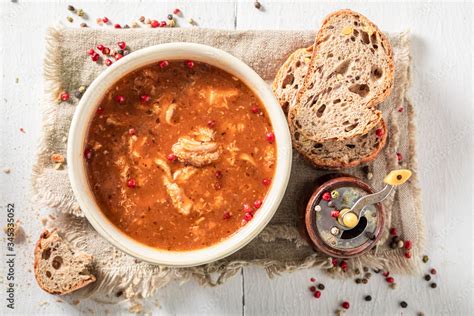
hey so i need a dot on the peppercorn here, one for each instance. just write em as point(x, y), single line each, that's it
point(331, 204)
point(371, 236)
point(400, 244)
point(321, 286)
point(368, 298)
point(421, 314)
point(80, 13)
point(120, 51)
point(126, 26)
point(357, 271)
point(82, 88)
point(317, 294)
point(358, 281)
point(393, 231)
point(312, 288)
point(427, 277)
point(395, 239)
point(393, 245)
point(345, 305)
point(219, 176)
point(257, 5)
point(433, 271)
point(403, 304)
point(368, 275)
point(78, 94)
point(126, 52)
point(365, 269)
point(142, 19)
point(408, 244)
point(334, 194)
point(71, 8)
point(393, 286)
point(191, 21)
point(433, 285)
point(370, 175)
point(425, 258)
point(83, 24)
point(386, 273)
point(390, 280)
point(70, 19)
point(134, 24)
point(170, 16)
point(365, 281)
point(376, 270)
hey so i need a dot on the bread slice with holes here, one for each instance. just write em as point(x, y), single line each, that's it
point(60, 269)
point(338, 154)
point(290, 77)
point(350, 73)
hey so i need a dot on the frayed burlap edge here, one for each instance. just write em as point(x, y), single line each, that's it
point(143, 280)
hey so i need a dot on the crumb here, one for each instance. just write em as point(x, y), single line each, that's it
point(44, 221)
point(18, 232)
point(136, 308)
point(22, 130)
point(59, 300)
point(7, 170)
point(76, 302)
point(52, 217)
point(42, 303)
point(17, 80)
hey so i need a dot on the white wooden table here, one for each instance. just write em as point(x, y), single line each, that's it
point(442, 93)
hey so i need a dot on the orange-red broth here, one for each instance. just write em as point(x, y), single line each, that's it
point(198, 192)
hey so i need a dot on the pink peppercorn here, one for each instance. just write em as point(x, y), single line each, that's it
point(100, 47)
point(344, 266)
point(335, 214)
point(164, 64)
point(326, 196)
point(390, 280)
point(312, 280)
point(95, 57)
point(345, 305)
point(255, 109)
point(248, 216)
point(118, 56)
point(189, 64)
point(386, 274)
point(144, 98)
point(335, 262)
point(122, 45)
point(108, 62)
point(408, 244)
point(246, 208)
point(399, 157)
point(270, 137)
point(162, 23)
point(106, 51)
point(91, 52)
point(433, 271)
point(266, 182)
point(131, 183)
point(88, 153)
point(379, 132)
point(105, 19)
point(132, 131)
point(407, 254)
point(317, 294)
point(117, 26)
point(155, 24)
point(211, 123)
point(400, 109)
point(120, 99)
point(257, 204)
point(64, 96)
point(171, 157)
point(100, 110)
point(393, 231)
point(312, 288)
point(227, 215)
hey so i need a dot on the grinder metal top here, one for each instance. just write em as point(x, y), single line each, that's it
point(344, 216)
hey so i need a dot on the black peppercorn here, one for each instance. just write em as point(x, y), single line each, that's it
point(403, 304)
point(365, 281)
point(170, 17)
point(78, 94)
point(71, 8)
point(358, 280)
point(433, 285)
point(365, 269)
point(257, 5)
point(321, 286)
point(393, 245)
point(368, 298)
point(427, 277)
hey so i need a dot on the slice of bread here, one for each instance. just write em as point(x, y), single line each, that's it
point(290, 77)
point(350, 73)
point(59, 269)
point(338, 154)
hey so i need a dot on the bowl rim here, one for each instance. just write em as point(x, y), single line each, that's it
point(81, 122)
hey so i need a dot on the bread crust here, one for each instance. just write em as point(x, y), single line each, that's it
point(45, 234)
point(372, 103)
point(284, 69)
point(336, 164)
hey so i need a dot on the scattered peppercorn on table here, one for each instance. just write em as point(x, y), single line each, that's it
point(440, 58)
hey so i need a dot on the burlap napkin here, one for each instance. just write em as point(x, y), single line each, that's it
point(279, 247)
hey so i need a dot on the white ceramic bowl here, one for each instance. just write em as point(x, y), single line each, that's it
point(87, 108)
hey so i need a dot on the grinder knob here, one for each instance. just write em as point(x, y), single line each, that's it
point(397, 177)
